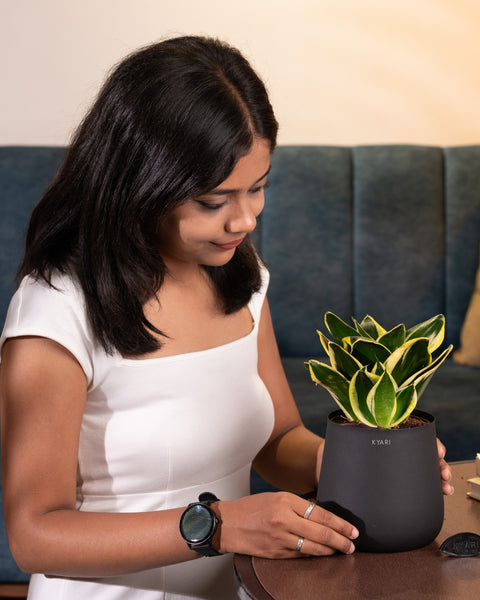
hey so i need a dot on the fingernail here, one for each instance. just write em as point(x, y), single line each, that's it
point(355, 533)
point(351, 549)
point(452, 490)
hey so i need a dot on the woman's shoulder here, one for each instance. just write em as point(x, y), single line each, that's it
point(62, 283)
point(61, 293)
point(54, 310)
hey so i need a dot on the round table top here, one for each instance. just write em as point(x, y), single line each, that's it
point(424, 573)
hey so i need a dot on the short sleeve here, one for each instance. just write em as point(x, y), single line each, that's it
point(57, 313)
point(256, 302)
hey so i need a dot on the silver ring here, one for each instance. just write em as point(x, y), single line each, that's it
point(299, 544)
point(309, 510)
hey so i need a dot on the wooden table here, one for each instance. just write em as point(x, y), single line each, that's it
point(425, 573)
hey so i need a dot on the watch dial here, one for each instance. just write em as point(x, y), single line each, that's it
point(196, 524)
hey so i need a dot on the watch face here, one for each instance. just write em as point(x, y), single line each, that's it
point(196, 523)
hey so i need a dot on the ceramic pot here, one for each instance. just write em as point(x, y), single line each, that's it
point(385, 482)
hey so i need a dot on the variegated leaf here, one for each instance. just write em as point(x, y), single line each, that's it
point(362, 332)
point(343, 361)
point(374, 329)
point(394, 338)
point(338, 328)
point(334, 382)
point(324, 340)
point(377, 369)
point(369, 352)
point(406, 401)
point(412, 356)
point(360, 386)
point(421, 379)
point(381, 400)
point(433, 329)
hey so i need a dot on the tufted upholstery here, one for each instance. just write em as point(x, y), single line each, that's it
point(388, 230)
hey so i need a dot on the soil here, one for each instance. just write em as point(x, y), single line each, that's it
point(411, 421)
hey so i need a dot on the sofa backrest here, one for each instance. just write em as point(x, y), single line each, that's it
point(390, 231)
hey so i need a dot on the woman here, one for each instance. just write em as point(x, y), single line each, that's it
point(139, 364)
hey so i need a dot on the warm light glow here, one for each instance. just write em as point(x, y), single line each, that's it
point(339, 71)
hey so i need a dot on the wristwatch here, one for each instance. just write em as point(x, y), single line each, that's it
point(198, 525)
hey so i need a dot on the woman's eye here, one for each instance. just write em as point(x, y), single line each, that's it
point(259, 188)
point(209, 205)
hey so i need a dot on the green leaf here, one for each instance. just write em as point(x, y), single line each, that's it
point(369, 352)
point(338, 328)
point(394, 338)
point(412, 356)
point(324, 340)
point(334, 382)
point(374, 329)
point(421, 379)
point(377, 369)
point(433, 329)
point(360, 386)
point(406, 401)
point(381, 400)
point(343, 361)
point(362, 332)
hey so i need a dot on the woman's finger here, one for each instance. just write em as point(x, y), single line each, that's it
point(445, 471)
point(331, 521)
point(324, 531)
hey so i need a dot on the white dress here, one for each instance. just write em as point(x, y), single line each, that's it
point(155, 434)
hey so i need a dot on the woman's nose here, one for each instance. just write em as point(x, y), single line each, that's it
point(243, 218)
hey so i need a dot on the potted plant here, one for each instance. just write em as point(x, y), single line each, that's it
point(380, 464)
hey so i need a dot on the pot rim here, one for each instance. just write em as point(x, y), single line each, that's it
point(416, 412)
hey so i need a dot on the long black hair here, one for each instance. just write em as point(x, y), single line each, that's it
point(169, 124)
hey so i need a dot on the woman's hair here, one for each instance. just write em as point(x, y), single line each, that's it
point(169, 124)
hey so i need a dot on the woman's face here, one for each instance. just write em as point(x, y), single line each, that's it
point(206, 230)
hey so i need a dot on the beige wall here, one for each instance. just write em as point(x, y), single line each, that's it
point(339, 71)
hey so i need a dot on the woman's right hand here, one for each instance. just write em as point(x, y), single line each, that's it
point(270, 525)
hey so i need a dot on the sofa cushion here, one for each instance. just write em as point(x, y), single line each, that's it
point(398, 237)
point(462, 232)
point(469, 351)
point(307, 215)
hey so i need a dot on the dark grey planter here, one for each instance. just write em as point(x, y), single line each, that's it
point(385, 482)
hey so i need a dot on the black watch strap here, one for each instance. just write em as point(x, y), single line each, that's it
point(207, 498)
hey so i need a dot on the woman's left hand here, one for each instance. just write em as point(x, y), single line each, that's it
point(445, 472)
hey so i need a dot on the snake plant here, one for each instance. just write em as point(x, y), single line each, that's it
point(377, 376)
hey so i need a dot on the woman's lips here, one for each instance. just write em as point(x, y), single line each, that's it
point(229, 245)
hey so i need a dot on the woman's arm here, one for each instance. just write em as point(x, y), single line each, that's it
point(43, 394)
point(291, 458)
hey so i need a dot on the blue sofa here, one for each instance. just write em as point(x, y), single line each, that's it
point(392, 231)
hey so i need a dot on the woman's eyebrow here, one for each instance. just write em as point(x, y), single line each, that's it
point(222, 191)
